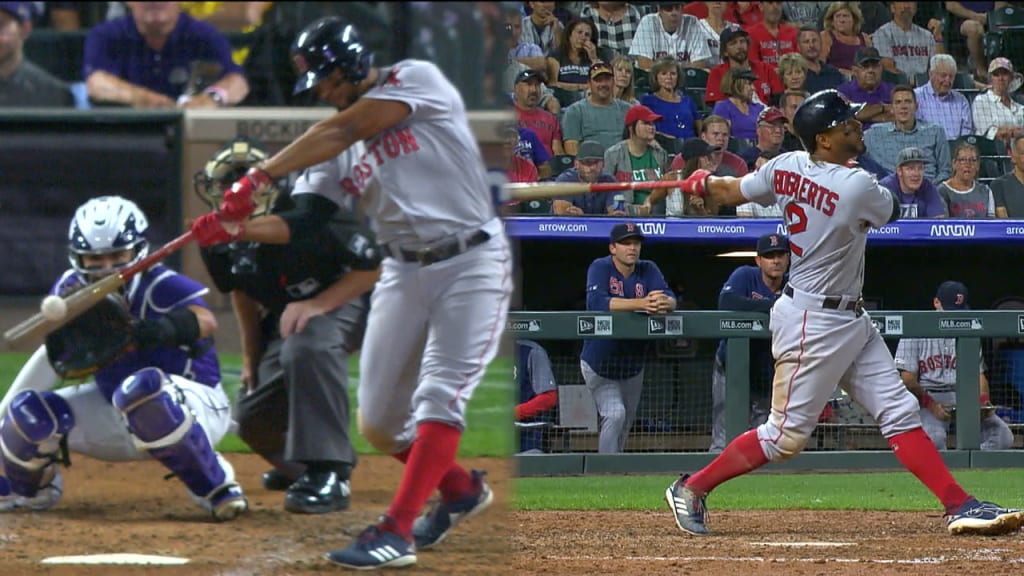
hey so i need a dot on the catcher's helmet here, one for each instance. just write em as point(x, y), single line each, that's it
point(819, 112)
point(106, 225)
point(327, 44)
point(228, 165)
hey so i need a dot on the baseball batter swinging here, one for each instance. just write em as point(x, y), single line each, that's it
point(821, 334)
point(439, 308)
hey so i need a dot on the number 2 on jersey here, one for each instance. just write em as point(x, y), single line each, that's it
point(796, 222)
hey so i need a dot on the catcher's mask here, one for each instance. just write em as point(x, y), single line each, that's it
point(228, 165)
point(103, 227)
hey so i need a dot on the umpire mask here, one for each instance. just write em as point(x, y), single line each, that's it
point(228, 165)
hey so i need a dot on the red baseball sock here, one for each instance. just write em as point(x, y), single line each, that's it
point(741, 456)
point(457, 482)
point(917, 453)
point(430, 458)
point(403, 456)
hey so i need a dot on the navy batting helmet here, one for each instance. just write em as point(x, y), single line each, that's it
point(327, 44)
point(823, 110)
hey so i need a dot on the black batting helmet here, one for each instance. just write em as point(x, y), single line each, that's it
point(327, 44)
point(823, 110)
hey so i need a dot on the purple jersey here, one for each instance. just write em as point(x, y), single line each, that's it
point(150, 296)
point(619, 359)
point(117, 47)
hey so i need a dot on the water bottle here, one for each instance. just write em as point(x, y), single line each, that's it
point(619, 204)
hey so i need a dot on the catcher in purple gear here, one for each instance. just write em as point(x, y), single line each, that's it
point(155, 387)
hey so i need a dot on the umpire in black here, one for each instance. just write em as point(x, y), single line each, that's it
point(302, 311)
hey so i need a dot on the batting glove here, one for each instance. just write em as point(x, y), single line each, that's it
point(209, 229)
point(238, 204)
point(696, 184)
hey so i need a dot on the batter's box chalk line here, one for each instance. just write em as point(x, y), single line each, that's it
point(983, 555)
point(120, 558)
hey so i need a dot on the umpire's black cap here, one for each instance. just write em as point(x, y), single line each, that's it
point(625, 230)
point(772, 243)
point(952, 295)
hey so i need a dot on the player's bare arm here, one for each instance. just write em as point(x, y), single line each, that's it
point(911, 382)
point(207, 321)
point(247, 313)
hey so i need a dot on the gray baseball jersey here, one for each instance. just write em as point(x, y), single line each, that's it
point(932, 360)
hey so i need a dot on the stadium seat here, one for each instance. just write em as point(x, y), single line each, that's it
point(737, 145)
point(641, 82)
point(1005, 35)
point(921, 78)
point(671, 144)
point(560, 163)
point(991, 154)
point(894, 78)
point(695, 78)
point(58, 52)
point(535, 207)
point(963, 81)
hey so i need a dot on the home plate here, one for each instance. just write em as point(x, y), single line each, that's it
point(804, 544)
point(122, 558)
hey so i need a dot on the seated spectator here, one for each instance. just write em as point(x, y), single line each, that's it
point(930, 16)
point(670, 33)
point(820, 75)
point(538, 395)
point(526, 53)
point(996, 115)
point(964, 196)
point(771, 126)
point(624, 89)
point(541, 26)
point(885, 140)
point(715, 131)
point(868, 88)
point(597, 117)
point(519, 167)
point(22, 83)
point(547, 97)
point(679, 115)
point(842, 38)
point(735, 47)
point(1008, 189)
point(569, 65)
point(696, 155)
point(753, 209)
point(804, 14)
point(938, 103)
point(791, 100)
point(918, 197)
point(616, 24)
point(638, 158)
point(876, 14)
point(739, 107)
point(970, 18)
point(155, 58)
point(589, 168)
point(745, 14)
point(529, 115)
point(793, 71)
point(529, 147)
point(712, 25)
point(771, 37)
point(905, 47)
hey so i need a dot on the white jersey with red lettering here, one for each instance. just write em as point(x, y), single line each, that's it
point(438, 311)
point(821, 335)
point(828, 210)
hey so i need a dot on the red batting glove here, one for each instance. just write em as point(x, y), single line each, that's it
point(209, 229)
point(238, 204)
point(696, 184)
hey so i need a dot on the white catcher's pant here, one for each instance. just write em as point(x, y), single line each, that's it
point(431, 333)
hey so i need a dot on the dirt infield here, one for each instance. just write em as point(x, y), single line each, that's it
point(789, 543)
point(128, 507)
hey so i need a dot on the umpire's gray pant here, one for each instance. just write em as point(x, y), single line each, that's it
point(760, 408)
point(617, 401)
point(299, 409)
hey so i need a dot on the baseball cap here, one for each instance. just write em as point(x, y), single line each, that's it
point(641, 112)
point(996, 64)
point(527, 75)
point(729, 32)
point(744, 74)
point(867, 54)
point(21, 10)
point(772, 243)
point(590, 150)
point(697, 147)
point(600, 68)
point(625, 230)
point(771, 114)
point(911, 154)
point(952, 295)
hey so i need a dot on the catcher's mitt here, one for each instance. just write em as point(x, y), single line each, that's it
point(91, 341)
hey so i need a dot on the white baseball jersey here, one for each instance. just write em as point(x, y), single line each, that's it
point(932, 360)
point(828, 210)
point(909, 49)
point(687, 44)
point(403, 176)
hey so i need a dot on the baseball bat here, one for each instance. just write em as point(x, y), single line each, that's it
point(78, 302)
point(540, 190)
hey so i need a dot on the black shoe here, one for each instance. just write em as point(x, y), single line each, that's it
point(317, 493)
point(276, 481)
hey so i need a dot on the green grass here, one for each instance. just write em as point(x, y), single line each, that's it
point(861, 491)
point(489, 417)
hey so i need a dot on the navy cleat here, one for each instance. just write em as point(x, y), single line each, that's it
point(432, 528)
point(688, 508)
point(984, 518)
point(376, 547)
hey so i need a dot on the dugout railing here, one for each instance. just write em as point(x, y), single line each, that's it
point(969, 327)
